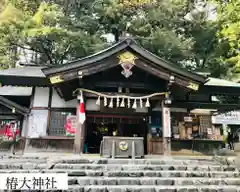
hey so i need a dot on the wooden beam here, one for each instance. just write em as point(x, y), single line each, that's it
point(219, 90)
point(26, 145)
point(91, 95)
point(86, 70)
point(152, 70)
point(10, 117)
point(133, 85)
point(49, 108)
point(24, 81)
point(161, 73)
point(32, 97)
point(203, 105)
point(10, 104)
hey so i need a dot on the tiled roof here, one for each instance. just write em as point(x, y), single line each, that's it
point(221, 82)
point(15, 91)
point(23, 71)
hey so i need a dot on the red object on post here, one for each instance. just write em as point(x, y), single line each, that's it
point(69, 127)
point(9, 131)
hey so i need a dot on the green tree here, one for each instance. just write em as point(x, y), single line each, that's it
point(156, 25)
point(229, 18)
point(45, 29)
point(163, 28)
point(62, 30)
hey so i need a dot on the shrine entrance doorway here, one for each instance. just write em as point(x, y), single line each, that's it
point(98, 126)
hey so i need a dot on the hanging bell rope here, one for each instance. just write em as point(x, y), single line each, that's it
point(119, 96)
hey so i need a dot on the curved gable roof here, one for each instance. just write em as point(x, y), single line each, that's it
point(126, 43)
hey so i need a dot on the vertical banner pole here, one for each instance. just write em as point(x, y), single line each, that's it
point(166, 127)
point(79, 135)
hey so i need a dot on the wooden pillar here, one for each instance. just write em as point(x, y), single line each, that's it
point(50, 96)
point(166, 127)
point(27, 140)
point(149, 132)
point(79, 138)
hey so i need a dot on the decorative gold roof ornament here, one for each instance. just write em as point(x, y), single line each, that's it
point(56, 79)
point(127, 61)
point(193, 86)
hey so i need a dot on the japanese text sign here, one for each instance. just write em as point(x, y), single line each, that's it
point(32, 181)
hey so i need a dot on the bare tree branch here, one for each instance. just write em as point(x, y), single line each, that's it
point(60, 61)
point(47, 53)
point(26, 48)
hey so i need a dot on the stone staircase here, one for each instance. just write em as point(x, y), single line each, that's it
point(126, 175)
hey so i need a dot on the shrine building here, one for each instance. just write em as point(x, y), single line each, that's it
point(128, 92)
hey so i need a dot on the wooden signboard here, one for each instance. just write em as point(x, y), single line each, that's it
point(188, 119)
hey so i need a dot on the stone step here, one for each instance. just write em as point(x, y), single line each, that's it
point(25, 165)
point(122, 188)
point(161, 161)
point(44, 165)
point(21, 157)
point(145, 167)
point(111, 161)
point(90, 173)
point(215, 174)
point(152, 181)
point(21, 161)
point(20, 171)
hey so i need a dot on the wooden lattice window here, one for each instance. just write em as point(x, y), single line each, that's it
point(57, 123)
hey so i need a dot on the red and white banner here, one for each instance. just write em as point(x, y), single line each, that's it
point(82, 114)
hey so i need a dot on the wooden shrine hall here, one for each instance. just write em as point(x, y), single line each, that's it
point(128, 93)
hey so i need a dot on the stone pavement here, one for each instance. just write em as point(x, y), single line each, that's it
point(90, 173)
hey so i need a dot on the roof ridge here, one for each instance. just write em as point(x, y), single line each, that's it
point(92, 55)
point(128, 42)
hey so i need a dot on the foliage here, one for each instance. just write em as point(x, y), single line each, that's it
point(164, 29)
point(156, 25)
point(46, 30)
point(229, 18)
point(62, 30)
